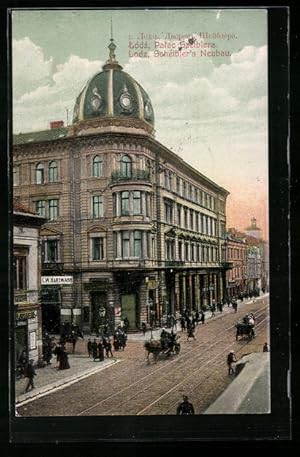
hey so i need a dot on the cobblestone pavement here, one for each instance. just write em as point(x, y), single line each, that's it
point(127, 387)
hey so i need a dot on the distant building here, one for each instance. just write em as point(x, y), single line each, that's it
point(27, 279)
point(253, 230)
point(248, 257)
point(140, 232)
point(236, 255)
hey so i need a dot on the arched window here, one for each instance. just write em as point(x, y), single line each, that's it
point(39, 174)
point(52, 171)
point(97, 167)
point(126, 166)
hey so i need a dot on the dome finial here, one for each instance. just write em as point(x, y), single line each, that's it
point(111, 46)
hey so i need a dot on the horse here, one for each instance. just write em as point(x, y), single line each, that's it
point(153, 347)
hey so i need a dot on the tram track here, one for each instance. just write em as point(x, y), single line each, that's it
point(192, 362)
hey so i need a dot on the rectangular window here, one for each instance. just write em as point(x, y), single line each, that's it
point(191, 192)
point(185, 218)
point(20, 272)
point(40, 208)
point(137, 202)
point(168, 213)
point(50, 251)
point(125, 203)
point(186, 246)
point(197, 222)
point(137, 244)
point(114, 196)
point(125, 244)
point(98, 206)
point(180, 250)
point(53, 209)
point(191, 219)
point(179, 215)
point(98, 248)
point(184, 189)
point(193, 252)
point(178, 185)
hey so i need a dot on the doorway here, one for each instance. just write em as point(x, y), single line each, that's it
point(128, 309)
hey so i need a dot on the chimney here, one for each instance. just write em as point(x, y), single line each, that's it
point(56, 124)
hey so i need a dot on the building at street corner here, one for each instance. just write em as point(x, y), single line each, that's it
point(140, 232)
point(237, 256)
point(27, 274)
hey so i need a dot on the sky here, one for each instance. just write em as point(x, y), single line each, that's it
point(209, 99)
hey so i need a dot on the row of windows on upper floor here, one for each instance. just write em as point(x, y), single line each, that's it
point(131, 203)
point(137, 244)
point(181, 187)
point(237, 272)
point(235, 253)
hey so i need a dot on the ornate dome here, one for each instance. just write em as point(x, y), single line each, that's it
point(113, 95)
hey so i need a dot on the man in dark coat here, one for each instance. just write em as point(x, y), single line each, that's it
point(29, 373)
point(185, 408)
point(231, 360)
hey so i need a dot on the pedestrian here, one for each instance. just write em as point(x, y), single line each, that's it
point(144, 328)
point(94, 349)
point(231, 361)
point(202, 317)
point(213, 308)
point(182, 323)
point(107, 345)
point(126, 324)
point(29, 373)
point(57, 351)
point(190, 332)
point(100, 351)
point(89, 347)
point(266, 348)
point(185, 408)
point(63, 360)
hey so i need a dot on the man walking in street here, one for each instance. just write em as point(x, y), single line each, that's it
point(185, 408)
point(231, 360)
point(29, 373)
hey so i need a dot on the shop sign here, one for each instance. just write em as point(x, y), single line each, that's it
point(54, 280)
point(25, 315)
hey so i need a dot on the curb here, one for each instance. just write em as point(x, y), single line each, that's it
point(61, 384)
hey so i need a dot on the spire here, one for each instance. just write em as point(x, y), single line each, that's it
point(111, 61)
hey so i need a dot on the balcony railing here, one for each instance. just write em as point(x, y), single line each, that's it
point(173, 263)
point(55, 267)
point(135, 175)
point(227, 265)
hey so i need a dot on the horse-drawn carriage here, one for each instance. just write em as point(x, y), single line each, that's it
point(167, 344)
point(246, 327)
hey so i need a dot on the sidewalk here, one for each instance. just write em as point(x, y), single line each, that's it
point(81, 366)
point(49, 378)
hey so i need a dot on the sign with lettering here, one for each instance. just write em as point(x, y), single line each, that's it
point(25, 315)
point(54, 280)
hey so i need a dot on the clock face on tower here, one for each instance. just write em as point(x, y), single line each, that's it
point(148, 109)
point(125, 101)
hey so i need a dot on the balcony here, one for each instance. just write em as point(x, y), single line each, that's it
point(52, 267)
point(227, 265)
point(136, 175)
point(173, 263)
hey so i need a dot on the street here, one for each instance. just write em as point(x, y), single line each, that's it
point(136, 387)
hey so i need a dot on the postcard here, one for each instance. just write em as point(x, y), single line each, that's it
point(140, 182)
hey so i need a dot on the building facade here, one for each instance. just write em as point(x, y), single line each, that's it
point(27, 279)
point(237, 256)
point(141, 232)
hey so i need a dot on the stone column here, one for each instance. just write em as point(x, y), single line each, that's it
point(183, 291)
point(220, 287)
point(190, 282)
point(205, 300)
point(197, 292)
point(215, 283)
point(177, 293)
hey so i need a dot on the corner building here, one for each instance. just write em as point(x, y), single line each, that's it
point(141, 232)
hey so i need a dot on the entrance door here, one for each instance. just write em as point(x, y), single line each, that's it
point(128, 309)
point(51, 317)
point(21, 342)
point(100, 313)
